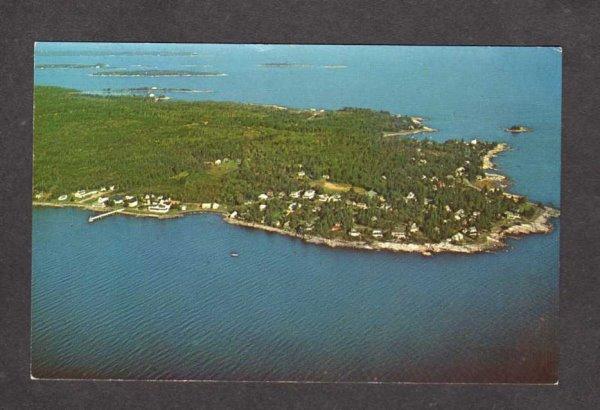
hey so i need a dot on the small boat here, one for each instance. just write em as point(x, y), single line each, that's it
point(234, 254)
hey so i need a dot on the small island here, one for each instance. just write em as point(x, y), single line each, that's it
point(516, 129)
point(157, 73)
point(351, 177)
point(50, 66)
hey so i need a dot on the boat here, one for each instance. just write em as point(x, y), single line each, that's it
point(234, 254)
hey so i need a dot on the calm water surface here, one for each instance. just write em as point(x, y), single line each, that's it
point(140, 298)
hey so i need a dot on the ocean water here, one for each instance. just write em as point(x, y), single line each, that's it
point(139, 298)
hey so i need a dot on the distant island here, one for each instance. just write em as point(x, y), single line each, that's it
point(157, 73)
point(518, 129)
point(284, 65)
point(153, 90)
point(47, 66)
point(351, 177)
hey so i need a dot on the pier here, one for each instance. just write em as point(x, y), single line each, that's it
point(93, 218)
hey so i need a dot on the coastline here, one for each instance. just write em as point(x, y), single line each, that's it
point(409, 132)
point(493, 241)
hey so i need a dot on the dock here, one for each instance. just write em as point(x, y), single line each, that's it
point(94, 218)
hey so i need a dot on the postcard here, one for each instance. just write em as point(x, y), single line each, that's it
point(296, 213)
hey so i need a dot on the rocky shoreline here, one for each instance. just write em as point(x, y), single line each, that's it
point(494, 240)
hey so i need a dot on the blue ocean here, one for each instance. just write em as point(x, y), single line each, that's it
point(135, 298)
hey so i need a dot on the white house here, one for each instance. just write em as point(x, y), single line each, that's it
point(263, 197)
point(133, 203)
point(353, 233)
point(215, 205)
point(233, 215)
point(414, 228)
point(102, 200)
point(295, 194)
point(206, 205)
point(63, 197)
point(262, 207)
point(160, 208)
point(301, 173)
point(457, 237)
point(218, 162)
point(377, 233)
point(309, 194)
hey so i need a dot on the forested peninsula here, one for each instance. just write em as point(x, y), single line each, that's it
point(351, 177)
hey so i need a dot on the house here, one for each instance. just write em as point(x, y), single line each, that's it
point(263, 197)
point(101, 200)
point(301, 174)
point(325, 177)
point(112, 188)
point(472, 231)
point(398, 235)
point(353, 233)
point(323, 197)
point(309, 194)
point(371, 194)
point(262, 207)
point(473, 142)
point(218, 162)
point(414, 228)
point(336, 228)
point(160, 208)
point(102, 189)
point(457, 237)
point(63, 197)
point(215, 205)
point(411, 195)
point(129, 197)
point(118, 200)
point(233, 215)
point(80, 193)
point(295, 194)
point(133, 203)
point(183, 207)
point(361, 205)
point(377, 233)
point(336, 198)
point(206, 205)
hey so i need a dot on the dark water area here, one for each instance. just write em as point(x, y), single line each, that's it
point(137, 298)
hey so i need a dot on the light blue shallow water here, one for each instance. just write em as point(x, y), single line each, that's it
point(137, 298)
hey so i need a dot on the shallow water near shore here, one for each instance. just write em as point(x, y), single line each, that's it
point(140, 298)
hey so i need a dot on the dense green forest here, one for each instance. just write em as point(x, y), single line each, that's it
point(231, 153)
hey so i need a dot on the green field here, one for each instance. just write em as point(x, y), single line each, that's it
point(230, 153)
